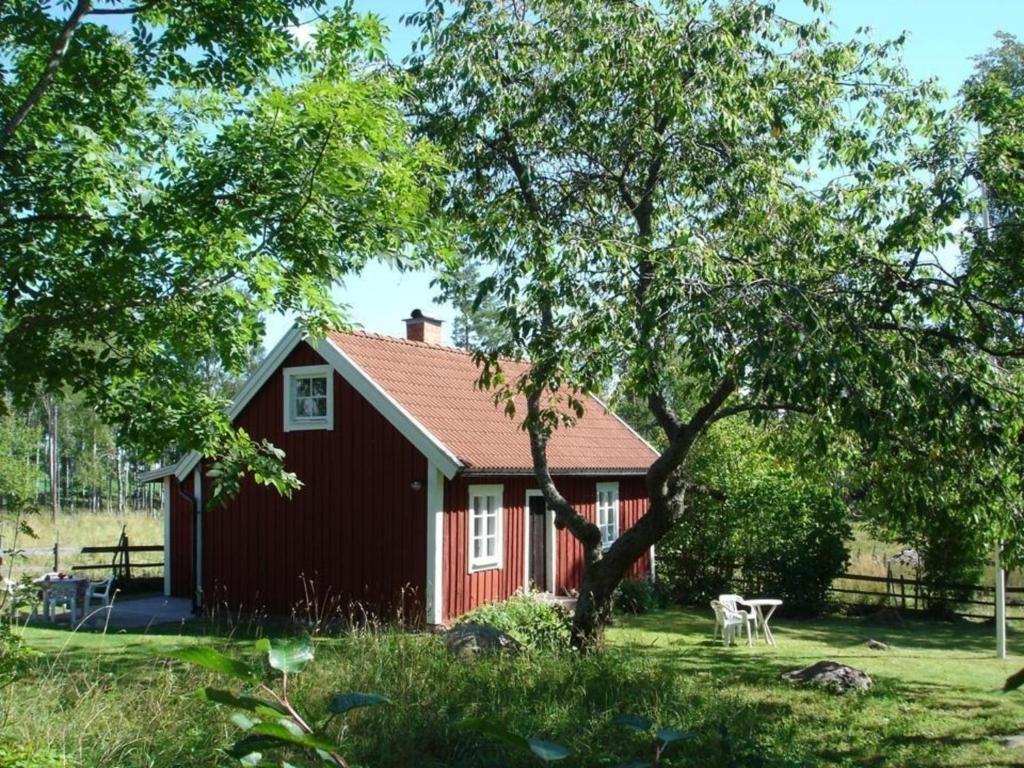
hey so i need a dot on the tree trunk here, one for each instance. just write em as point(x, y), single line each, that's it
point(604, 571)
point(54, 462)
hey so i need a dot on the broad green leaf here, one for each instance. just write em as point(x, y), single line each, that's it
point(668, 735)
point(1014, 681)
point(242, 720)
point(548, 751)
point(280, 733)
point(287, 655)
point(635, 722)
point(211, 659)
point(248, 703)
point(343, 702)
point(488, 728)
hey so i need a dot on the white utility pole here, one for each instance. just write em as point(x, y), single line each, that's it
point(1000, 604)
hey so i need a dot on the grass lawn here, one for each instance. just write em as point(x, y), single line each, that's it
point(97, 700)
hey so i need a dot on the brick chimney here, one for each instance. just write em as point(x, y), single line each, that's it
point(419, 327)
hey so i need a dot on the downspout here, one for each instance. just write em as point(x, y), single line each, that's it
point(194, 502)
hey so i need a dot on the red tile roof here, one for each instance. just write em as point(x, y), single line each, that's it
point(437, 386)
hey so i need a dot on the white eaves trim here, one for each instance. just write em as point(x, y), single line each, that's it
point(411, 429)
point(159, 473)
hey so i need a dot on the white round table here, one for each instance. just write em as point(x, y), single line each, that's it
point(759, 604)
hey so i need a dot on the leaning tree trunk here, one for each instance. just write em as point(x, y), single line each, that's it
point(603, 571)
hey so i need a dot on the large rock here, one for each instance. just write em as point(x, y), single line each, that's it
point(832, 676)
point(471, 640)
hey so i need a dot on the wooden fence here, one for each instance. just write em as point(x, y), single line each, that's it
point(120, 565)
point(911, 593)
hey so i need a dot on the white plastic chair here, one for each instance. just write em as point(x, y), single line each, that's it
point(64, 596)
point(100, 592)
point(727, 620)
point(731, 602)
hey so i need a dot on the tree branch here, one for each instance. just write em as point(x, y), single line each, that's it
point(739, 408)
point(60, 48)
point(566, 516)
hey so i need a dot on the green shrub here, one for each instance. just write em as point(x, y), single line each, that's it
point(14, 755)
point(534, 623)
point(636, 596)
point(795, 536)
point(774, 535)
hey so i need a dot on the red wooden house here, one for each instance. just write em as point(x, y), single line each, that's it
point(418, 491)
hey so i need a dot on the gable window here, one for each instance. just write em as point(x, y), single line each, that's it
point(608, 512)
point(308, 398)
point(485, 524)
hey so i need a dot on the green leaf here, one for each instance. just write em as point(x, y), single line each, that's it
point(548, 751)
point(287, 655)
point(1014, 681)
point(248, 703)
point(343, 702)
point(669, 735)
point(635, 722)
point(488, 728)
point(211, 659)
point(280, 733)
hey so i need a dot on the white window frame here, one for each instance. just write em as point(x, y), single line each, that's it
point(486, 562)
point(613, 489)
point(294, 423)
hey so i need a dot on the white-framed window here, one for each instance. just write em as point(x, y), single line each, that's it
point(608, 512)
point(485, 527)
point(308, 397)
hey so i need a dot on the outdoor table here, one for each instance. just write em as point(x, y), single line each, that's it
point(759, 604)
point(72, 586)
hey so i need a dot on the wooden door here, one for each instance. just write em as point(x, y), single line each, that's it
point(537, 572)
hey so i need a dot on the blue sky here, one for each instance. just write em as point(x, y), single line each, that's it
point(943, 35)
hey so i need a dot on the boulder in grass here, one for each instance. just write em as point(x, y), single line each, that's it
point(1013, 742)
point(877, 645)
point(832, 676)
point(471, 640)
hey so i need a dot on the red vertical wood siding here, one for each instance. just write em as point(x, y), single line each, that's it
point(356, 531)
point(463, 590)
point(181, 540)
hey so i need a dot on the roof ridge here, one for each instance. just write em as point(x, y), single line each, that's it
point(418, 344)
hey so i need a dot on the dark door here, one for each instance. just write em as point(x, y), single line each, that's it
point(538, 544)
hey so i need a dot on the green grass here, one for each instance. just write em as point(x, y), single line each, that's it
point(85, 529)
point(107, 700)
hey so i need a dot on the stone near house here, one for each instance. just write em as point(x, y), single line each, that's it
point(471, 640)
point(877, 645)
point(832, 676)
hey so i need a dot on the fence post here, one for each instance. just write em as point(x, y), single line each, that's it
point(56, 551)
point(903, 593)
point(127, 560)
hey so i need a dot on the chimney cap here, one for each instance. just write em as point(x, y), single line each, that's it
point(417, 314)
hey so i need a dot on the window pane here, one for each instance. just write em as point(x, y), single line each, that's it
point(476, 547)
point(491, 546)
point(492, 525)
point(318, 387)
point(302, 388)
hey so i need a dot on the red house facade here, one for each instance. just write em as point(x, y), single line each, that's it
point(418, 491)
